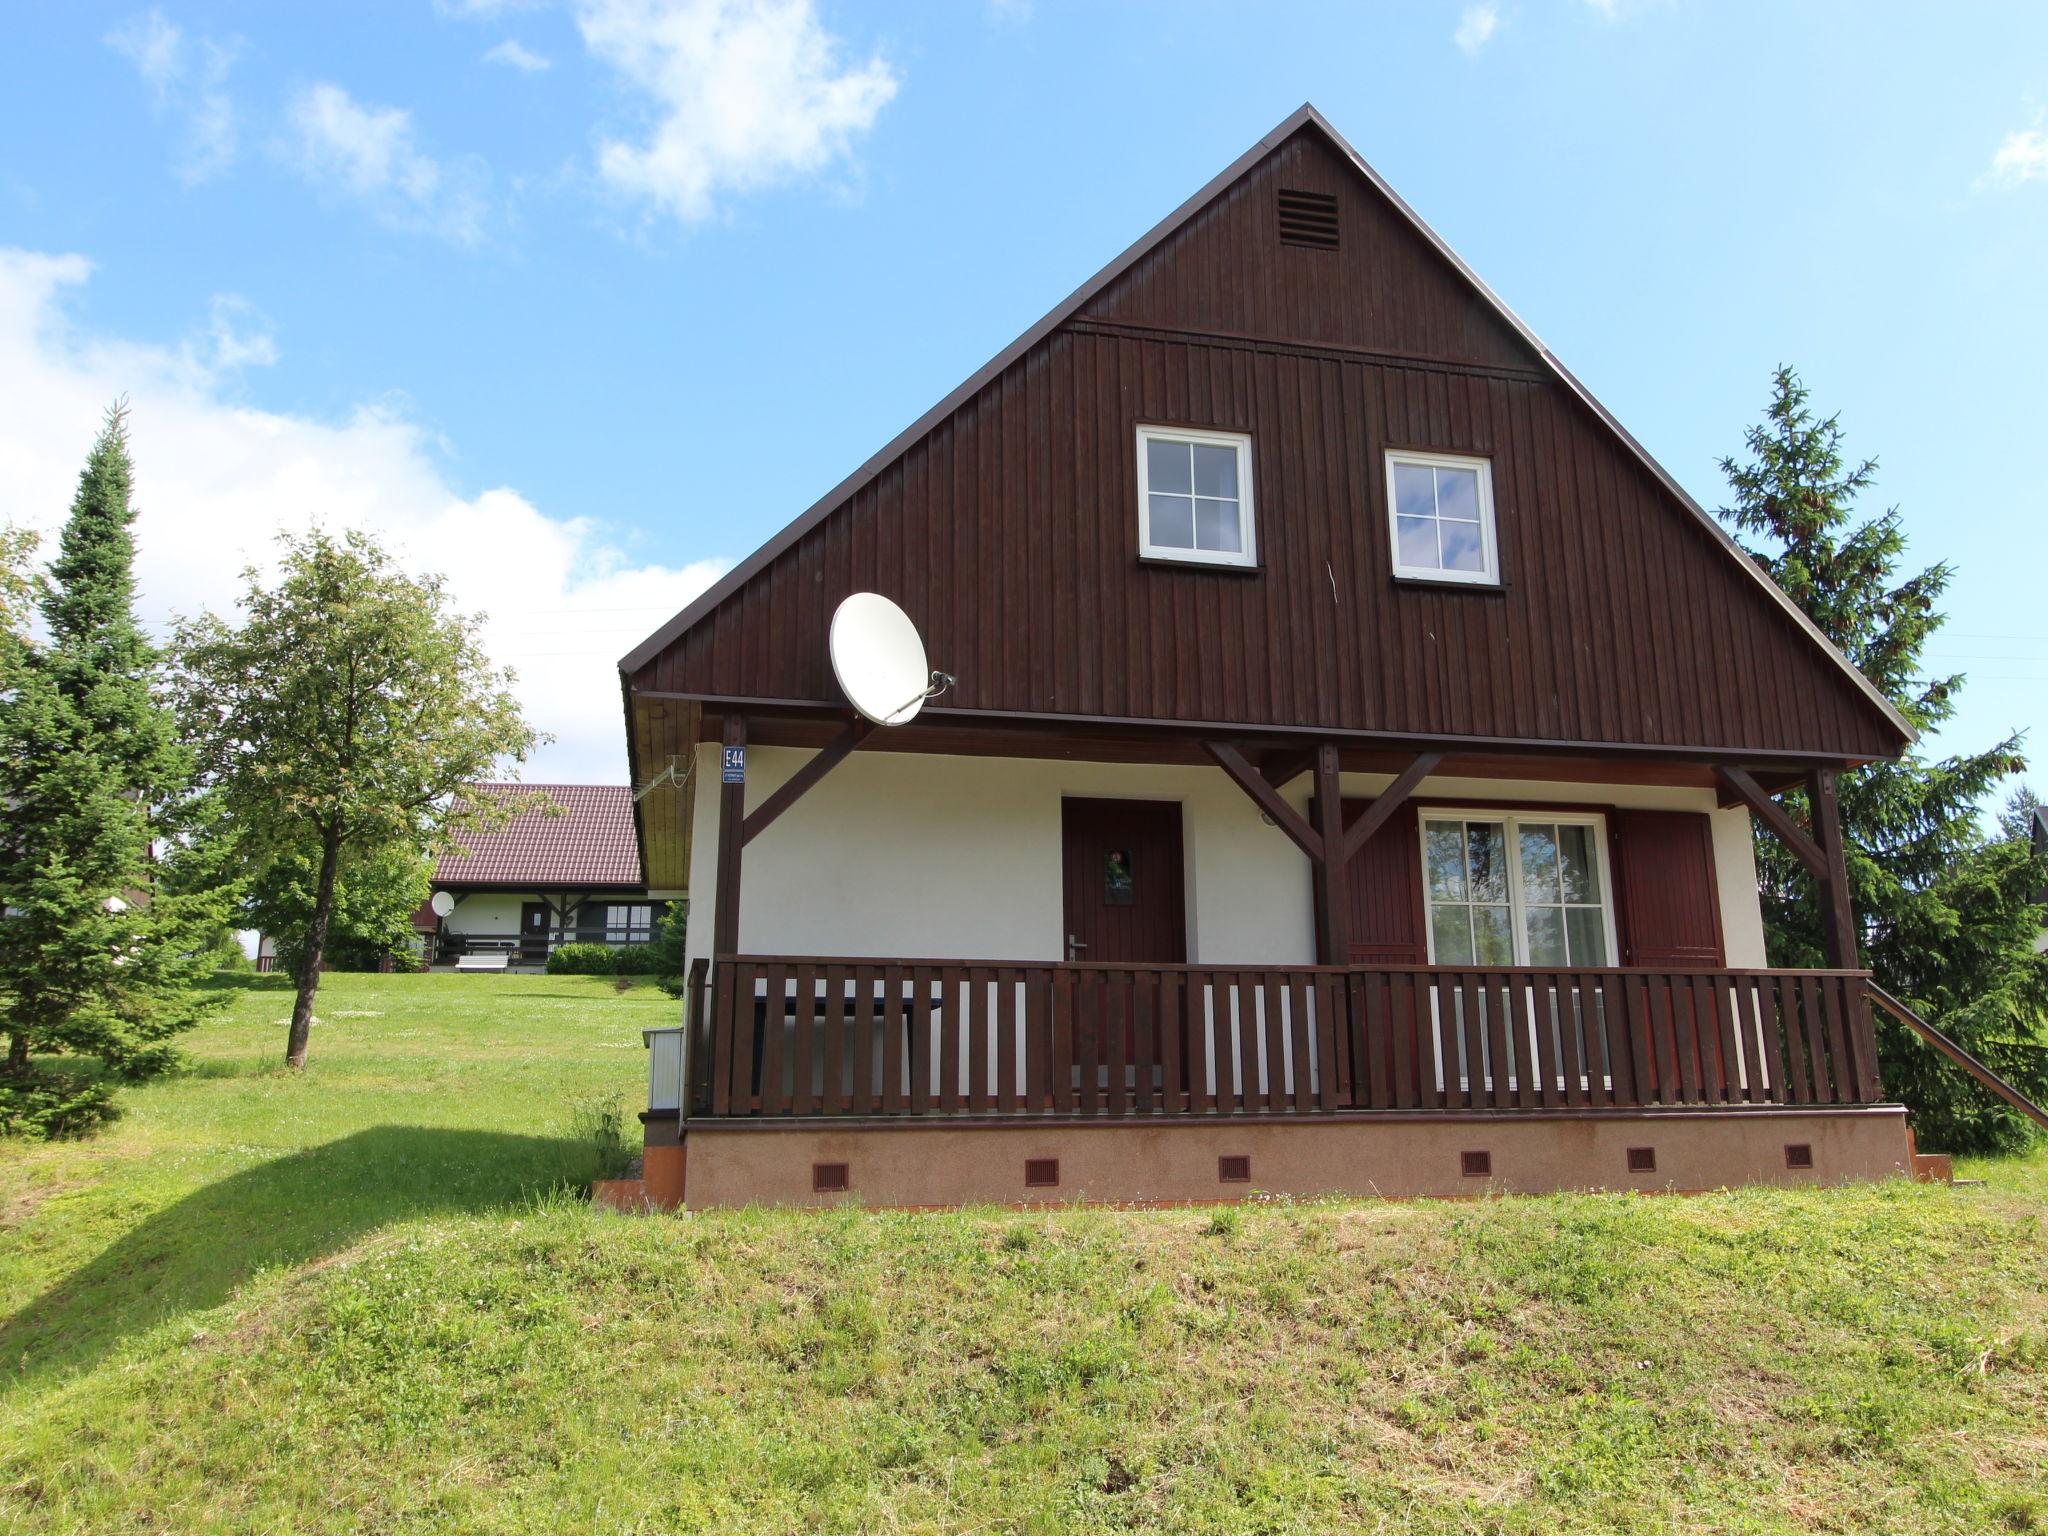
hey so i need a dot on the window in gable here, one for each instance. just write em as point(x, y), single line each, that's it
point(1195, 496)
point(1440, 507)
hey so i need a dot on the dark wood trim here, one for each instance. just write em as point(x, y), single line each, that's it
point(1389, 800)
point(1331, 351)
point(1266, 797)
point(1256, 733)
point(1838, 917)
point(1237, 1117)
point(1332, 891)
point(1281, 770)
point(800, 783)
point(732, 811)
point(1777, 818)
point(1958, 1055)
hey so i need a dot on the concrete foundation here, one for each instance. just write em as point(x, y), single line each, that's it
point(930, 1164)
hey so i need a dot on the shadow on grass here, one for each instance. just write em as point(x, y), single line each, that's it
point(192, 1255)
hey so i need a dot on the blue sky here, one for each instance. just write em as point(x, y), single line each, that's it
point(580, 301)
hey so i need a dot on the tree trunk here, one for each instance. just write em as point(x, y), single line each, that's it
point(309, 961)
point(17, 1051)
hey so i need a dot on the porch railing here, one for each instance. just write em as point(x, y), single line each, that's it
point(779, 1037)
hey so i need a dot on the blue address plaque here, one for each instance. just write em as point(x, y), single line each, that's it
point(734, 767)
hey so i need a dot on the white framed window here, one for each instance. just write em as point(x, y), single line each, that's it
point(1517, 888)
point(1195, 496)
point(1440, 510)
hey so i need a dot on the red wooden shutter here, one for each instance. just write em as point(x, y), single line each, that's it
point(1668, 905)
point(1386, 892)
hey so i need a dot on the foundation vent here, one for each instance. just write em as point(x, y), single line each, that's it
point(1798, 1154)
point(1642, 1159)
point(1041, 1172)
point(1476, 1165)
point(831, 1178)
point(1308, 218)
point(1234, 1170)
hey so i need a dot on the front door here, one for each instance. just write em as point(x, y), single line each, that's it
point(1125, 896)
point(535, 918)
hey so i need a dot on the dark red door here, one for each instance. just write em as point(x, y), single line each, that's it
point(1125, 900)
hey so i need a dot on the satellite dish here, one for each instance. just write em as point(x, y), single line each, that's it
point(880, 661)
point(443, 903)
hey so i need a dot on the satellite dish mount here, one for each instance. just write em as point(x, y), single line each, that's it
point(880, 661)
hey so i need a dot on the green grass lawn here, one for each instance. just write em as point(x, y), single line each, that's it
point(364, 1299)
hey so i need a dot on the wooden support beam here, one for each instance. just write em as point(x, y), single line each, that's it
point(1775, 816)
point(732, 811)
point(1283, 769)
point(1266, 797)
point(800, 783)
point(1391, 799)
point(1333, 891)
point(1838, 917)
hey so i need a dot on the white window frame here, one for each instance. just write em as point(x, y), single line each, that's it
point(1247, 522)
point(1489, 574)
point(1517, 924)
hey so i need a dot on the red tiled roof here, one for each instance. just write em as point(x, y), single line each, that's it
point(590, 844)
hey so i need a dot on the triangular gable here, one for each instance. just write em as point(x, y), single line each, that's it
point(1465, 322)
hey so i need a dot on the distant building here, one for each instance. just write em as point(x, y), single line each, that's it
point(544, 880)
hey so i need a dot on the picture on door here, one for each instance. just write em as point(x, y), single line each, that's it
point(1118, 888)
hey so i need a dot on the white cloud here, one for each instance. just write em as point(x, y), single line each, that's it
point(1477, 26)
point(214, 479)
point(743, 94)
point(518, 56)
point(187, 78)
point(368, 152)
point(2021, 158)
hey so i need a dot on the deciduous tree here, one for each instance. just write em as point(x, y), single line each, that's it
point(339, 718)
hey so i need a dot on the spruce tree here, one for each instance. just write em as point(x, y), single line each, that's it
point(93, 961)
point(1946, 913)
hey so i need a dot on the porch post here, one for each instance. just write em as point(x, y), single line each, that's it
point(1333, 895)
point(1838, 918)
point(732, 813)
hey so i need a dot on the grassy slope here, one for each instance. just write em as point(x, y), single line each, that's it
point(346, 1302)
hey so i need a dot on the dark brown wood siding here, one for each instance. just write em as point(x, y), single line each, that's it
point(1668, 906)
point(1009, 531)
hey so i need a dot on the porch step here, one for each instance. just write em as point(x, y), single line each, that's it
point(1933, 1168)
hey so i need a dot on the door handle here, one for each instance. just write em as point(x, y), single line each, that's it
point(1074, 947)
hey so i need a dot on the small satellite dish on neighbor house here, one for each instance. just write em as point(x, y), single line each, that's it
point(443, 903)
point(880, 661)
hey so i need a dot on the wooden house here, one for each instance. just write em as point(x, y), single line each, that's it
point(1348, 782)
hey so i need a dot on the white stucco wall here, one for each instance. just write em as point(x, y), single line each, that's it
point(904, 854)
point(486, 912)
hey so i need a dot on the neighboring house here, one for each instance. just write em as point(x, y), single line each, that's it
point(1347, 785)
point(543, 880)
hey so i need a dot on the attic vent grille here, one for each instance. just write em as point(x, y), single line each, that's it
point(1308, 218)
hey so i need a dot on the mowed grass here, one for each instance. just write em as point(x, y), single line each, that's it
point(363, 1299)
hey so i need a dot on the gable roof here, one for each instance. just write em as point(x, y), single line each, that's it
point(1304, 117)
point(592, 843)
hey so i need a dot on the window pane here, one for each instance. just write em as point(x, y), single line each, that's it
point(1452, 932)
point(1539, 863)
point(1457, 493)
point(1546, 936)
point(1493, 941)
point(1462, 549)
point(1588, 934)
point(1414, 491)
point(1446, 851)
point(1418, 542)
point(1216, 526)
point(1173, 522)
point(1581, 863)
point(1215, 470)
point(1166, 466)
point(1486, 849)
